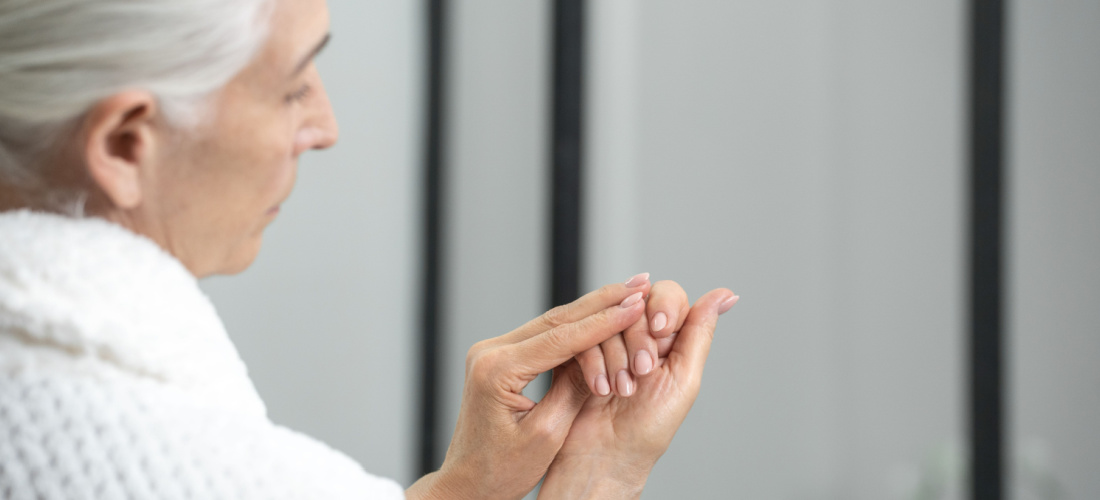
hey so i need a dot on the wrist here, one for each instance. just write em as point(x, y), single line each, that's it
point(593, 476)
point(440, 485)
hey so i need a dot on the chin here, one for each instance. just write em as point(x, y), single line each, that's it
point(242, 258)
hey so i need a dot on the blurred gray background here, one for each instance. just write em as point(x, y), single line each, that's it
point(810, 155)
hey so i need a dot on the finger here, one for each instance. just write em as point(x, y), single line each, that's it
point(664, 346)
point(641, 348)
point(593, 366)
point(591, 303)
point(693, 341)
point(667, 308)
point(618, 365)
point(555, 346)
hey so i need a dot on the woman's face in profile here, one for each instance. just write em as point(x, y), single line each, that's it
point(222, 184)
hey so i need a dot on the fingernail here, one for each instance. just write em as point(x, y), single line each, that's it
point(637, 280)
point(626, 387)
point(602, 387)
point(725, 306)
point(659, 321)
point(631, 300)
point(643, 362)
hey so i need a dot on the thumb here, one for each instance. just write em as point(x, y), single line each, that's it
point(562, 402)
point(693, 342)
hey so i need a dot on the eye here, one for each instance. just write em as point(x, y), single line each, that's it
point(300, 94)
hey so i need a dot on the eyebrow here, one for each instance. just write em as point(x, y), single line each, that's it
point(313, 53)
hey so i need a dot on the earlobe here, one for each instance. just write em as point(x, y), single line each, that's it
point(119, 145)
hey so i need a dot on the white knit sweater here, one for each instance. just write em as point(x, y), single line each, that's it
point(117, 381)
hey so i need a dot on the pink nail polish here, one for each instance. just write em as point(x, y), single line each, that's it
point(631, 300)
point(637, 280)
point(623, 383)
point(603, 388)
point(660, 320)
point(643, 363)
point(727, 304)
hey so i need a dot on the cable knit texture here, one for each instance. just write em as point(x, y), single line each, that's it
point(118, 381)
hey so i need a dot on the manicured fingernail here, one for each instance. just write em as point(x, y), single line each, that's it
point(643, 362)
point(637, 280)
point(725, 306)
point(624, 384)
point(631, 300)
point(602, 387)
point(659, 321)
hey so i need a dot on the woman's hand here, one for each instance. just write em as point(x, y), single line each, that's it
point(503, 441)
point(614, 441)
point(614, 366)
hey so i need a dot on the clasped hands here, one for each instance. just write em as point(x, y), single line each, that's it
point(627, 362)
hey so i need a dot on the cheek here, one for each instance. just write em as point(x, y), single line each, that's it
point(241, 180)
point(273, 165)
point(263, 168)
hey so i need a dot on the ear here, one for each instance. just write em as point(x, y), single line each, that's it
point(119, 145)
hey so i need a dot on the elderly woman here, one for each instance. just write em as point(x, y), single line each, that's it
point(145, 144)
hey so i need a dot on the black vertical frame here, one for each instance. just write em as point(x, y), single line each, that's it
point(987, 349)
point(565, 237)
point(432, 258)
point(566, 153)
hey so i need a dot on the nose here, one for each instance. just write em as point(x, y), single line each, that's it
point(319, 130)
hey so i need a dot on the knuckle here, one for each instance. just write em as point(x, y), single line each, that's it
point(635, 343)
point(557, 316)
point(711, 325)
point(589, 371)
point(473, 353)
point(603, 319)
point(482, 365)
point(588, 357)
point(556, 340)
point(637, 330)
point(544, 430)
point(600, 322)
point(671, 292)
point(479, 346)
point(667, 286)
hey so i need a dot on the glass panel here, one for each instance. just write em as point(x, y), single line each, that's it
point(810, 156)
point(1054, 266)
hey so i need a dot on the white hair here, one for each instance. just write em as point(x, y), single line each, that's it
point(59, 57)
